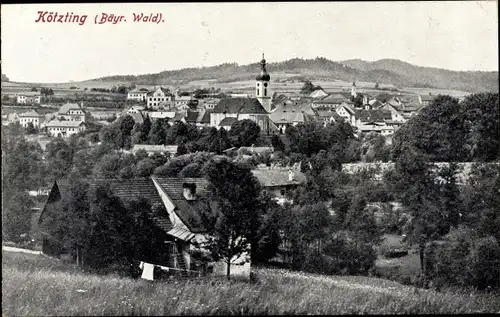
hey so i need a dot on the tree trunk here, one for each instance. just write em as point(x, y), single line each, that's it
point(421, 254)
point(77, 258)
point(228, 269)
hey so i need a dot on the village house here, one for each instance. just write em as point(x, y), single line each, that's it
point(290, 113)
point(396, 115)
point(159, 96)
point(137, 94)
point(154, 115)
point(331, 102)
point(329, 116)
point(32, 117)
point(347, 112)
point(377, 127)
point(28, 98)
point(135, 109)
point(180, 227)
point(200, 118)
point(372, 115)
point(183, 101)
point(72, 112)
point(64, 128)
point(318, 94)
point(209, 104)
point(426, 100)
point(279, 181)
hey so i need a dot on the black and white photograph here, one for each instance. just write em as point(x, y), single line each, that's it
point(253, 158)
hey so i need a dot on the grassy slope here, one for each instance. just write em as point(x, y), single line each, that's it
point(36, 285)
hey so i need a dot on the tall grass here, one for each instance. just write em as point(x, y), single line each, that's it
point(36, 285)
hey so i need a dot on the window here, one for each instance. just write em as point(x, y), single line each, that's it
point(265, 84)
point(282, 192)
point(265, 92)
point(257, 91)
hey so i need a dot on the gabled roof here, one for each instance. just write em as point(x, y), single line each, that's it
point(191, 116)
point(31, 113)
point(227, 121)
point(211, 100)
point(124, 189)
point(65, 124)
point(165, 91)
point(138, 117)
point(138, 91)
point(335, 97)
point(375, 103)
point(239, 105)
point(427, 97)
point(409, 99)
point(69, 106)
point(347, 107)
point(289, 113)
point(137, 107)
point(328, 114)
point(206, 117)
point(277, 177)
point(184, 98)
point(189, 211)
point(373, 115)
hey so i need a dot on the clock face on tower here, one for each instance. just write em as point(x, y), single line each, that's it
point(265, 84)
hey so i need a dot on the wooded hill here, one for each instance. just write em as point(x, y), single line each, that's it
point(384, 71)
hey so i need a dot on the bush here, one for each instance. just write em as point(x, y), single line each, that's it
point(466, 261)
point(349, 256)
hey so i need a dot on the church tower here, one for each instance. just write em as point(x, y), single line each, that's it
point(353, 89)
point(262, 88)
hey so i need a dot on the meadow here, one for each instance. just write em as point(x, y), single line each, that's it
point(38, 285)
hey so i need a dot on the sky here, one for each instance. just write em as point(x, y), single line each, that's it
point(453, 35)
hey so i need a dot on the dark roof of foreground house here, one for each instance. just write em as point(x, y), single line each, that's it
point(122, 188)
point(239, 105)
point(188, 210)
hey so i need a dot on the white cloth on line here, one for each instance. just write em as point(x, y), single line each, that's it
point(147, 272)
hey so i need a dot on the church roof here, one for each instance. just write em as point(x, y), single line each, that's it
point(239, 105)
point(263, 75)
point(227, 121)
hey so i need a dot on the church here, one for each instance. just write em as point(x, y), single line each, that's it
point(257, 109)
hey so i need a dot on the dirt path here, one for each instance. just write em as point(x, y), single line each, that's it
point(12, 249)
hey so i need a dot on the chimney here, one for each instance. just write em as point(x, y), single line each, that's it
point(291, 175)
point(367, 107)
point(189, 191)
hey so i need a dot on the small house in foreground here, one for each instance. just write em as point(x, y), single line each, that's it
point(180, 227)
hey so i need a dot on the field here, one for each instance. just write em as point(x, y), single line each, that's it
point(245, 86)
point(37, 285)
